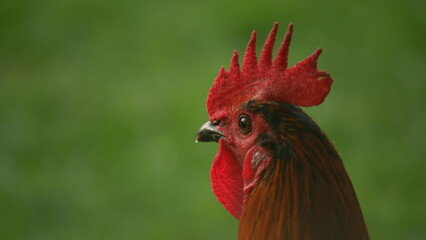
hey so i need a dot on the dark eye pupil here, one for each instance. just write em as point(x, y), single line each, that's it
point(245, 124)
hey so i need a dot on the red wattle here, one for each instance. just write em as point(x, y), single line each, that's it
point(227, 181)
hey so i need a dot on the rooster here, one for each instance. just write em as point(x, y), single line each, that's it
point(276, 171)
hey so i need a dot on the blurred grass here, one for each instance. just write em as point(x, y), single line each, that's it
point(100, 101)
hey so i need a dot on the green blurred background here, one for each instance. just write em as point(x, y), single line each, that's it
point(100, 102)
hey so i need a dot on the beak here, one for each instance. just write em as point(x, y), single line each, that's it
point(208, 133)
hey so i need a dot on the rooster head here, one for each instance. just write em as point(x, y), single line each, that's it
point(243, 135)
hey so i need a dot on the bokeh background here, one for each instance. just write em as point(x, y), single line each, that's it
point(100, 102)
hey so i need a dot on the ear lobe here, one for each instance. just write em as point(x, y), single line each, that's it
point(256, 161)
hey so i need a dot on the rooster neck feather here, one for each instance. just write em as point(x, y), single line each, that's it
point(305, 193)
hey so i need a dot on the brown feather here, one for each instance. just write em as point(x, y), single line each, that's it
point(305, 193)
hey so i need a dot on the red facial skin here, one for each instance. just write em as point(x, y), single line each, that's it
point(240, 161)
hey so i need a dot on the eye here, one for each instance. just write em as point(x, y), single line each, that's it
point(245, 124)
point(216, 122)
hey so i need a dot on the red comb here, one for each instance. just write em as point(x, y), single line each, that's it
point(301, 84)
